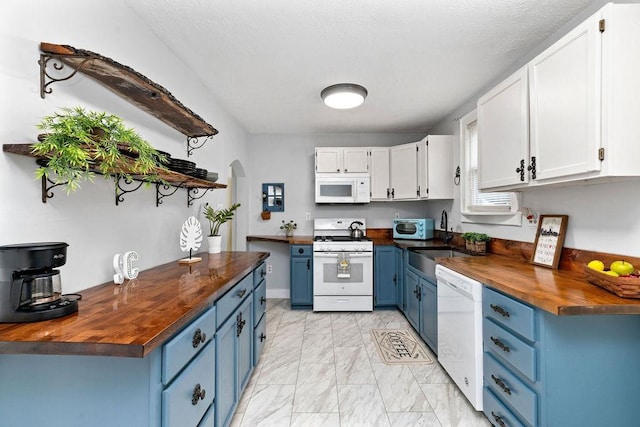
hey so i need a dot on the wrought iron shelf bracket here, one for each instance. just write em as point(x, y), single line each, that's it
point(166, 190)
point(193, 194)
point(195, 142)
point(46, 189)
point(46, 78)
point(125, 185)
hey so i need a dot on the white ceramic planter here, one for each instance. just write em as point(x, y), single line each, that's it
point(215, 244)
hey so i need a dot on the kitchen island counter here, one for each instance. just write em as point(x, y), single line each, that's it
point(136, 317)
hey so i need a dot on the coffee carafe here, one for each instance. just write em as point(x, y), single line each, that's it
point(30, 286)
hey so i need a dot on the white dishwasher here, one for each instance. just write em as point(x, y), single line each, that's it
point(460, 331)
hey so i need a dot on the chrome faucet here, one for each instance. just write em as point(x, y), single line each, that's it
point(444, 224)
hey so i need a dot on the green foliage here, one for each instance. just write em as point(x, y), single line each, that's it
point(288, 225)
point(475, 237)
point(218, 217)
point(78, 142)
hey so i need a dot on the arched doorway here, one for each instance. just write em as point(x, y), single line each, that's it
point(239, 194)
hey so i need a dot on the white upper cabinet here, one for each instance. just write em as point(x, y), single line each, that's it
point(583, 109)
point(565, 104)
point(435, 167)
point(404, 172)
point(379, 171)
point(342, 160)
point(503, 133)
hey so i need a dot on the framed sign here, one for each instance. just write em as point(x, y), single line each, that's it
point(549, 240)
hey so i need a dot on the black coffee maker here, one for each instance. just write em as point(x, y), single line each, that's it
point(30, 288)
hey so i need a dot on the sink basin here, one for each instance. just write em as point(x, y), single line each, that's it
point(423, 259)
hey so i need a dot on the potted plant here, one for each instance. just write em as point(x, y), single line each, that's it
point(216, 218)
point(78, 142)
point(288, 227)
point(476, 242)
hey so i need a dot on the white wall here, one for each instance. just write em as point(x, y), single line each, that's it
point(602, 217)
point(88, 220)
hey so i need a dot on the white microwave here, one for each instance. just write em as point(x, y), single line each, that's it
point(343, 189)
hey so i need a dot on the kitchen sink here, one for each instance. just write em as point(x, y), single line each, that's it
point(423, 259)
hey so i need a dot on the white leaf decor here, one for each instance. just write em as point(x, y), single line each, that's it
point(190, 235)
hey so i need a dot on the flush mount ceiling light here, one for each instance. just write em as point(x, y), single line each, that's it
point(344, 95)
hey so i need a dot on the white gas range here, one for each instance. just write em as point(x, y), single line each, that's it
point(342, 266)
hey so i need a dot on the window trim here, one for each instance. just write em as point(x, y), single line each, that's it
point(479, 216)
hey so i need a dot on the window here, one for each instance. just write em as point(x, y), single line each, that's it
point(478, 206)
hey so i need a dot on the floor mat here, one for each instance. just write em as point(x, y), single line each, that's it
point(400, 346)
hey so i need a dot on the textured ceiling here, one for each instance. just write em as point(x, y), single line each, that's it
point(267, 61)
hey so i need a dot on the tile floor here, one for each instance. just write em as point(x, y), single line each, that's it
point(322, 369)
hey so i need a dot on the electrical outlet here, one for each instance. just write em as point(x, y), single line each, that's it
point(307, 216)
point(396, 215)
point(269, 269)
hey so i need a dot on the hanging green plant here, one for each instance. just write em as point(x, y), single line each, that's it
point(78, 142)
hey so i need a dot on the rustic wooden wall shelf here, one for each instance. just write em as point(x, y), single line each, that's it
point(125, 82)
point(169, 179)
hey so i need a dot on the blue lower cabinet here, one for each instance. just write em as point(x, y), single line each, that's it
point(399, 267)
point(234, 360)
point(411, 297)
point(429, 313)
point(385, 280)
point(301, 276)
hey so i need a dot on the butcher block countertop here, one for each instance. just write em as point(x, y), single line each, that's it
point(136, 317)
point(561, 292)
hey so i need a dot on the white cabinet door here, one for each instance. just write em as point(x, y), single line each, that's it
point(404, 171)
point(503, 134)
point(355, 160)
point(435, 167)
point(565, 90)
point(328, 160)
point(379, 170)
point(342, 160)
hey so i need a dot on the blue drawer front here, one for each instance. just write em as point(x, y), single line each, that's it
point(301, 250)
point(232, 299)
point(197, 380)
point(184, 346)
point(259, 302)
point(510, 389)
point(506, 311)
point(508, 347)
point(497, 413)
point(259, 274)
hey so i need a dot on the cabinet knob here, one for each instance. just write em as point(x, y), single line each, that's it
point(198, 394)
point(300, 250)
point(241, 292)
point(262, 337)
point(263, 273)
point(198, 338)
point(262, 300)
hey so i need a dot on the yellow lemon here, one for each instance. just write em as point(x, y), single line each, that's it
point(611, 273)
point(596, 265)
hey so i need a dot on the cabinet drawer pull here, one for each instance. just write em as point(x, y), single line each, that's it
point(198, 338)
point(240, 322)
point(500, 344)
point(198, 394)
point(498, 419)
point(241, 292)
point(262, 300)
point(500, 310)
point(501, 384)
point(262, 337)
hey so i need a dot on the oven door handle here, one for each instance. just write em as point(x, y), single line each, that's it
point(336, 255)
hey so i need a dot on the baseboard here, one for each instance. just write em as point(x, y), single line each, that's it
point(278, 293)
